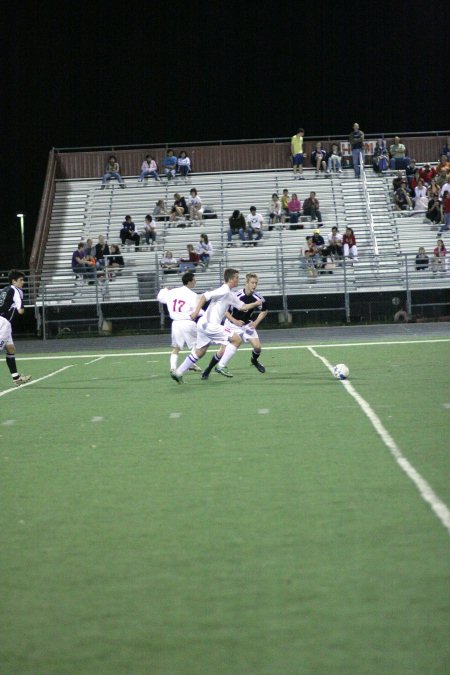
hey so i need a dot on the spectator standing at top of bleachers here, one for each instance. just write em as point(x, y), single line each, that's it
point(311, 207)
point(397, 152)
point(356, 139)
point(129, 233)
point(183, 164)
point(349, 244)
point(236, 226)
point(170, 164)
point(149, 168)
point(112, 171)
point(255, 225)
point(334, 159)
point(195, 206)
point(298, 156)
point(445, 212)
point(318, 158)
point(380, 158)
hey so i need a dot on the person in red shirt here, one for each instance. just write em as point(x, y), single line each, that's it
point(445, 213)
point(427, 173)
point(349, 244)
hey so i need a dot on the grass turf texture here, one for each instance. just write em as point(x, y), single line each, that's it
point(186, 532)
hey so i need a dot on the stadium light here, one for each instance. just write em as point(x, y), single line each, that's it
point(21, 216)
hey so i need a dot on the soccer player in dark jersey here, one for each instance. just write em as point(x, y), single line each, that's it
point(11, 301)
point(244, 324)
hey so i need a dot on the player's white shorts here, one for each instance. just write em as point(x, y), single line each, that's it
point(5, 333)
point(244, 332)
point(212, 332)
point(184, 332)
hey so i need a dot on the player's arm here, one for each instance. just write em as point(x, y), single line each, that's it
point(197, 310)
point(230, 317)
point(252, 305)
point(261, 316)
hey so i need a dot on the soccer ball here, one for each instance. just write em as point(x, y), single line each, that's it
point(340, 371)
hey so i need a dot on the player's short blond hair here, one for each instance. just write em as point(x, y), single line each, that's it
point(251, 275)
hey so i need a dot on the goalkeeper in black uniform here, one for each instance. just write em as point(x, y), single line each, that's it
point(244, 324)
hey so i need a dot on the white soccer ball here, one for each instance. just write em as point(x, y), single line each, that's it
point(340, 371)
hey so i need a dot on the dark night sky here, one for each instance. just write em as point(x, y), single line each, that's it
point(98, 73)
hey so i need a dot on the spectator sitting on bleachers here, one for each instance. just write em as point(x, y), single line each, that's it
point(195, 206)
point(183, 164)
point(149, 231)
point(334, 248)
point(434, 209)
point(78, 266)
point(160, 211)
point(445, 187)
point(190, 263)
point(89, 248)
point(101, 250)
point(170, 165)
point(349, 244)
point(112, 171)
point(446, 149)
point(179, 209)
point(420, 196)
point(168, 263)
point(294, 208)
point(255, 225)
point(439, 262)
point(237, 226)
point(412, 171)
point(422, 260)
point(427, 173)
point(319, 241)
point(444, 164)
point(285, 199)
point(318, 158)
point(90, 264)
point(275, 212)
point(334, 159)
point(445, 212)
point(397, 152)
point(402, 200)
point(380, 158)
point(149, 168)
point(205, 250)
point(313, 257)
point(129, 233)
point(397, 180)
point(311, 207)
point(441, 178)
point(115, 262)
point(413, 181)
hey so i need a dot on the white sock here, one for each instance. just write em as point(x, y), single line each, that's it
point(173, 361)
point(188, 362)
point(228, 354)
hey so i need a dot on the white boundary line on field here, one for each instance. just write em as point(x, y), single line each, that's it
point(440, 509)
point(99, 358)
point(268, 348)
point(39, 379)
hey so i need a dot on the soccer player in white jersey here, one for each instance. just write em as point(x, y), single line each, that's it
point(11, 301)
point(181, 303)
point(244, 324)
point(209, 326)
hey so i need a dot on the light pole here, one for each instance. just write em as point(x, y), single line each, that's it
point(22, 233)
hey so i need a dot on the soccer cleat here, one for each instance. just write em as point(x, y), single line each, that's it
point(177, 378)
point(205, 375)
point(22, 379)
point(196, 368)
point(259, 366)
point(223, 371)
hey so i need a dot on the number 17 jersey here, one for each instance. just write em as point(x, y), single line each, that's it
point(180, 301)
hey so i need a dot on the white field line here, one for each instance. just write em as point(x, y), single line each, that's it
point(39, 379)
point(99, 358)
point(280, 347)
point(440, 509)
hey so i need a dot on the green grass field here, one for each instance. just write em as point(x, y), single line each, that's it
point(253, 525)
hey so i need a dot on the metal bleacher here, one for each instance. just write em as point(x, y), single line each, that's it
point(81, 210)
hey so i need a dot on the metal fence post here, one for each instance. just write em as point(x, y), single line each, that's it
point(346, 294)
point(408, 288)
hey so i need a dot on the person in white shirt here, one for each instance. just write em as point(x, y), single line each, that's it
point(181, 302)
point(184, 164)
point(420, 197)
point(204, 249)
point(210, 328)
point(255, 223)
point(195, 205)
